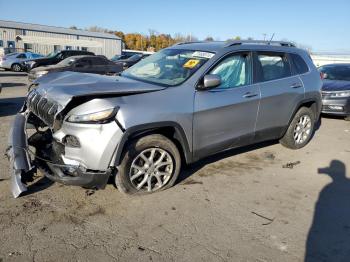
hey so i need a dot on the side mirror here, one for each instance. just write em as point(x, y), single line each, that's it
point(211, 81)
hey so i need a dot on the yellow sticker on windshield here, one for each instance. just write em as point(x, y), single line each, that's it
point(191, 63)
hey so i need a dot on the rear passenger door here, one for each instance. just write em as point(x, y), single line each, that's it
point(280, 90)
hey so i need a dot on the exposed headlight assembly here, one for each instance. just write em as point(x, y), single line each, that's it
point(340, 94)
point(96, 117)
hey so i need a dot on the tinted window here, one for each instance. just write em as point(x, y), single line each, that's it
point(85, 62)
point(299, 64)
point(233, 71)
point(99, 61)
point(22, 56)
point(273, 66)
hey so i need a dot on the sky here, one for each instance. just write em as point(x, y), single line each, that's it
point(321, 25)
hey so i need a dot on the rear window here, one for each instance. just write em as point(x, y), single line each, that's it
point(299, 64)
point(273, 66)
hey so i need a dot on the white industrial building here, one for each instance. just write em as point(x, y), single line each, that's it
point(325, 59)
point(46, 39)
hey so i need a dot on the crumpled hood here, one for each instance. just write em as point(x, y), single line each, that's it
point(335, 85)
point(61, 87)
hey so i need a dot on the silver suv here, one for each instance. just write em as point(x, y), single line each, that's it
point(177, 106)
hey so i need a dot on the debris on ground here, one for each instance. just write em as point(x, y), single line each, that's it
point(291, 165)
point(191, 182)
point(269, 156)
point(89, 192)
point(269, 219)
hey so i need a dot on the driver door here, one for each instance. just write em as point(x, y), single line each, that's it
point(225, 116)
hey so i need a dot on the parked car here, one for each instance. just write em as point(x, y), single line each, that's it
point(126, 63)
point(336, 90)
point(181, 104)
point(14, 61)
point(129, 53)
point(83, 64)
point(53, 58)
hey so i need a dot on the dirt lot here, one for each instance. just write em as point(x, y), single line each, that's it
point(241, 205)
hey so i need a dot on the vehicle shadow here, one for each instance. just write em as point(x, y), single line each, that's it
point(10, 106)
point(329, 235)
point(12, 74)
point(4, 85)
point(189, 170)
point(40, 185)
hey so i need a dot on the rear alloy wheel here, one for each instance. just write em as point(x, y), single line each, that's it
point(300, 129)
point(16, 67)
point(151, 163)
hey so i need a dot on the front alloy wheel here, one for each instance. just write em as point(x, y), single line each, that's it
point(150, 163)
point(151, 169)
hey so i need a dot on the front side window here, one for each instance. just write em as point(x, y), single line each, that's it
point(168, 67)
point(273, 66)
point(234, 71)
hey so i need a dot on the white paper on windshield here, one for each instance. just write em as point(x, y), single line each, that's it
point(202, 54)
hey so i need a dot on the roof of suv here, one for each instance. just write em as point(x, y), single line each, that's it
point(215, 46)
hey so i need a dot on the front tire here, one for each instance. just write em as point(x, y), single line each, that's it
point(151, 163)
point(16, 68)
point(300, 129)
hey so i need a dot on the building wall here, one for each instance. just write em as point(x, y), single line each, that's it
point(110, 47)
point(320, 60)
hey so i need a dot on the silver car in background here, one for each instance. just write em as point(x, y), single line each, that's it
point(177, 106)
point(14, 61)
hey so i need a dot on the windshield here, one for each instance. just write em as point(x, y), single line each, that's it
point(116, 57)
point(135, 57)
point(168, 67)
point(66, 62)
point(52, 54)
point(338, 72)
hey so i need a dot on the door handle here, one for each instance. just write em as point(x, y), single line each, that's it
point(296, 85)
point(249, 95)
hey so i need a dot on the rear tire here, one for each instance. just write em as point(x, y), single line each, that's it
point(300, 130)
point(16, 67)
point(151, 163)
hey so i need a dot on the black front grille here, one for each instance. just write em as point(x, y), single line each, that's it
point(42, 107)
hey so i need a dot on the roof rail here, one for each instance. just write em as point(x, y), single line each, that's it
point(189, 42)
point(259, 42)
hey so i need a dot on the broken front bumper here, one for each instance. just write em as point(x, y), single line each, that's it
point(20, 163)
point(22, 166)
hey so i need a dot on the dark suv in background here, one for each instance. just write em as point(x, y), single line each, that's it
point(53, 58)
point(80, 63)
point(179, 105)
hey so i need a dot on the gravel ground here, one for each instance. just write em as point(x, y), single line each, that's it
point(241, 205)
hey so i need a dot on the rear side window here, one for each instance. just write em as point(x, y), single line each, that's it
point(273, 66)
point(299, 64)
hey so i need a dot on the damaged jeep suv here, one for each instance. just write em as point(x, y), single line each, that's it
point(177, 106)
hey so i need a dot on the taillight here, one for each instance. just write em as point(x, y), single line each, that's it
point(322, 75)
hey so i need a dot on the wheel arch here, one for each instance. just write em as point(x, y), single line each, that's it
point(171, 130)
point(311, 103)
